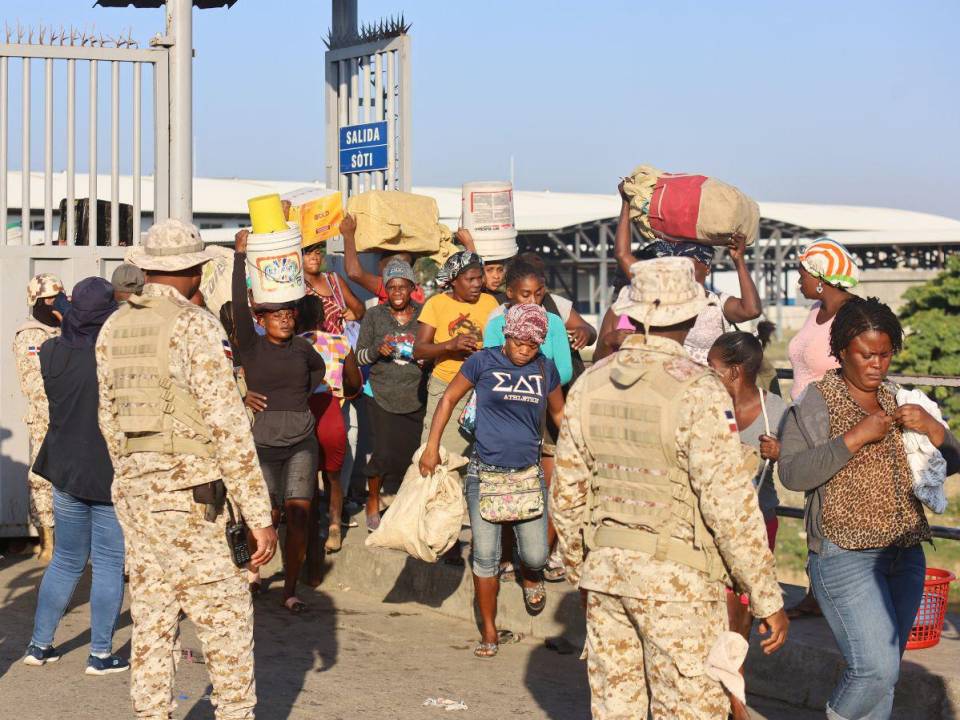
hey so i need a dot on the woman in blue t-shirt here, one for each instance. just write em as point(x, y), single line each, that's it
point(515, 386)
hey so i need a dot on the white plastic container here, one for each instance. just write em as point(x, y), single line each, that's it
point(487, 209)
point(497, 250)
point(275, 266)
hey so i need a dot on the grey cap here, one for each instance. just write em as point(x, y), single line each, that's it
point(127, 278)
point(398, 269)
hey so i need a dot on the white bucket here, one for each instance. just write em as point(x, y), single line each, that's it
point(487, 209)
point(497, 250)
point(275, 266)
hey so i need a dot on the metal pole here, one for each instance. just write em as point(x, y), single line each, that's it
point(71, 219)
point(48, 154)
point(92, 171)
point(344, 18)
point(115, 153)
point(604, 284)
point(406, 116)
point(180, 29)
point(137, 114)
point(779, 284)
point(25, 158)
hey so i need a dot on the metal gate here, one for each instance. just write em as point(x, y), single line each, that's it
point(21, 195)
point(114, 78)
point(370, 82)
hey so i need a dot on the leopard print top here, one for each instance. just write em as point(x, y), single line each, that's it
point(870, 502)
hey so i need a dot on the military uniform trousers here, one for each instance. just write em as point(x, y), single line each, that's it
point(649, 655)
point(41, 491)
point(177, 562)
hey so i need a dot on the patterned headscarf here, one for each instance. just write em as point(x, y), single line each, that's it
point(831, 262)
point(526, 323)
point(662, 248)
point(455, 265)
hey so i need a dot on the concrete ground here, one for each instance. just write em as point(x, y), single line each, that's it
point(350, 656)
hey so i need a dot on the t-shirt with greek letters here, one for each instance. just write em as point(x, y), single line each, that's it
point(511, 402)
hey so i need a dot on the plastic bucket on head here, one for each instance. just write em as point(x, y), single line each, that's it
point(266, 214)
point(275, 265)
point(497, 250)
point(487, 210)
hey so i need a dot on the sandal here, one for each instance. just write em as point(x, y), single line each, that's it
point(295, 605)
point(535, 598)
point(486, 650)
point(506, 573)
point(554, 573)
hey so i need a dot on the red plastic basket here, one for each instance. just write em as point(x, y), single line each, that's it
point(933, 607)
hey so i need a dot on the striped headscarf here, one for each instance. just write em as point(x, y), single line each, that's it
point(830, 262)
point(526, 323)
point(456, 264)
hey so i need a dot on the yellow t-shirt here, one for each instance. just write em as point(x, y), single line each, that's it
point(451, 318)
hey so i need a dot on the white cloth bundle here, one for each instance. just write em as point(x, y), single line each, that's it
point(724, 662)
point(926, 463)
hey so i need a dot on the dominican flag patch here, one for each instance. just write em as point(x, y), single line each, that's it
point(227, 350)
point(731, 421)
point(33, 350)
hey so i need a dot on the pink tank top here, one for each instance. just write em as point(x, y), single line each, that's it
point(809, 352)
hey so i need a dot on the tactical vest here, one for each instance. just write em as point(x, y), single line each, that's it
point(640, 495)
point(147, 398)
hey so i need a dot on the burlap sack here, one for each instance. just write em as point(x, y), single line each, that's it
point(697, 208)
point(393, 220)
point(424, 519)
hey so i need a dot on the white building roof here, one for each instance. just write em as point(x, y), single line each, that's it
point(534, 211)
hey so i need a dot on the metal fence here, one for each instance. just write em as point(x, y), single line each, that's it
point(63, 101)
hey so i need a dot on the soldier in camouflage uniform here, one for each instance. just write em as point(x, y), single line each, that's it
point(655, 512)
point(173, 420)
point(43, 325)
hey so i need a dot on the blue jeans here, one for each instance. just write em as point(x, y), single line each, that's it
point(84, 530)
point(485, 549)
point(870, 599)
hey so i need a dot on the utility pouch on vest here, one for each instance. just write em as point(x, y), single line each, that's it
point(213, 495)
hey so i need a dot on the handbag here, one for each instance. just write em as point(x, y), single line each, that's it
point(511, 495)
point(468, 418)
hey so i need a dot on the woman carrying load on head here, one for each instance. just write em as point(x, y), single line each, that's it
point(281, 371)
point(47, 305)
point(722, 311)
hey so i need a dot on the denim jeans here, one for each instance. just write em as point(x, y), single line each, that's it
point(84, 530)
point(485, 549)
point(870, 599)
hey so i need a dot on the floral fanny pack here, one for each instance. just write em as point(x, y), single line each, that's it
point(510, 495)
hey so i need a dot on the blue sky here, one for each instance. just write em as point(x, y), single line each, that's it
point(822, 101)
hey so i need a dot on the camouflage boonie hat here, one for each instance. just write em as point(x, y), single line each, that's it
point(662, 292)
point(169, 246)
point(43, 285)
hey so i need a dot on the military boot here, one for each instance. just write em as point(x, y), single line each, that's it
point(46, 546)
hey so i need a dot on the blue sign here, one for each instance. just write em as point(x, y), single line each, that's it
point(363, 148)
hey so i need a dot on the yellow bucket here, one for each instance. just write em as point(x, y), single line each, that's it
point(266, 214)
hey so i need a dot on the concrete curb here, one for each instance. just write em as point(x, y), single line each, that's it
point(803, 673)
